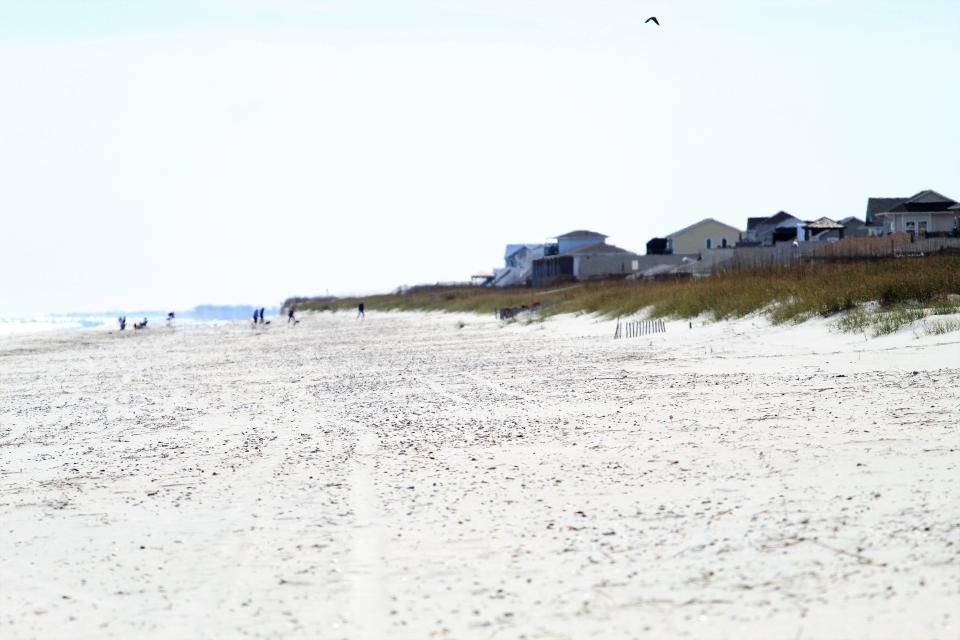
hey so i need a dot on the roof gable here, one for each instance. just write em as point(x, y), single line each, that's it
point(929, 196)
point(599, 247)
point(823, 223)
point(779, 218)
point(701, 223)
point(581, 233)
point(882, 205)
point(926, 200)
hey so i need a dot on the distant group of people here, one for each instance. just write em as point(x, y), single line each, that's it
point(122, 321)
point(258, 317)
point(291, 316)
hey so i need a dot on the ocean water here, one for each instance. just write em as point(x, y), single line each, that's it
point(42, 323)
point(205, 314)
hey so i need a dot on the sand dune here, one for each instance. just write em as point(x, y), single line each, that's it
point(406, 477)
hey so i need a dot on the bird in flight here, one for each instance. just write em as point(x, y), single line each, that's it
point(652, 19)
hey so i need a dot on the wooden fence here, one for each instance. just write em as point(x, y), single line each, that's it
point(889, 246)
point(929, 245)
point(637, 328)
point(882, 247)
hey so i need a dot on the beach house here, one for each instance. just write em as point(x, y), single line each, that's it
point(820, 230)
point(854, 227)
point(779, 227)
point(582, 255)
point(580, 238)
point(924, 214)
point(706, 234)
point(517, 269)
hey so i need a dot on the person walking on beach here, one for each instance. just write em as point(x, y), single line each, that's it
point(123, 322)
point(290, 317)
point(360, 314)
point(256, 316)
point(262, 309)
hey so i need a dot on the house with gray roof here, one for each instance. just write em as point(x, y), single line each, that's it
point(854, 227)
point(924, 214)
point(880, 205)
point(583, 255)
point(579, 238)
point(780, 227)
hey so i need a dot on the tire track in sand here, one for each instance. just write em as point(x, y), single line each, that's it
point(368, 602)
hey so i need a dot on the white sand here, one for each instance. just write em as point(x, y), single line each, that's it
point(405, 478)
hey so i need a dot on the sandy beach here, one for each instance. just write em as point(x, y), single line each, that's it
point(422, 475)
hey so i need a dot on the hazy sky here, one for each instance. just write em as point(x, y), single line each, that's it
point(165, 154)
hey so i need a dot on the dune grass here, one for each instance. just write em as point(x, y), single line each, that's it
point(880, 321)
point(940, 327)
point(888, 321)
point(787, 294)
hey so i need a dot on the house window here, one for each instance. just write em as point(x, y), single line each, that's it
point(636, 265)
point(723, 243)
point(709, 243)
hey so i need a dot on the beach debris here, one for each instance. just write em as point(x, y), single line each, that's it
point(509, 313)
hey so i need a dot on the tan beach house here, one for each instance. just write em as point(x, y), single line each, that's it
point(706, 234)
